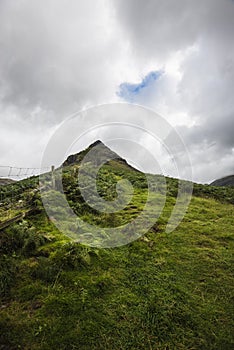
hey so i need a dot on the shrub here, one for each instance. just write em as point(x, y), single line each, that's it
point(7, 274)
point(72, 256)
point(20, 238)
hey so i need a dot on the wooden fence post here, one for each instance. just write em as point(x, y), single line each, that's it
point(52, 177)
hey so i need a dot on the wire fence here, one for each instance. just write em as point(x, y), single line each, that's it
point(17, 188)
point(19, 173)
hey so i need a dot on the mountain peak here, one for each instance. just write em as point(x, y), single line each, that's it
point(96, 143)
point(102, 150)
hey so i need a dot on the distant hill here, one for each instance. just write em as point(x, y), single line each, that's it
point(224, 181)
point(4, 181)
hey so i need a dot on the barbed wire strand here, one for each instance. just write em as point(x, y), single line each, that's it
point(20, 172)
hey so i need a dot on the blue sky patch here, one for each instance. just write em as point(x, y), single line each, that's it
point(129, 91)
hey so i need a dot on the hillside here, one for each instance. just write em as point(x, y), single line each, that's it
point(224, 181)
point(161, 291)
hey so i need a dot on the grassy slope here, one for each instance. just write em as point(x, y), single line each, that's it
point(163, 291)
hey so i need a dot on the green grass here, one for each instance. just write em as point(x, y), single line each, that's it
point(165, 291)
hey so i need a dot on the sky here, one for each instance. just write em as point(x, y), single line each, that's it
point(175, 58)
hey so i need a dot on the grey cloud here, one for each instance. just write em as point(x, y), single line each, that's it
point(54, 54)
point(56, 58)
point(202, 31)
point(213, 131)
point(161, 27)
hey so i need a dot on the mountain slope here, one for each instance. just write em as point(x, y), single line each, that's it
point(162, 291)
point(224, 181)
